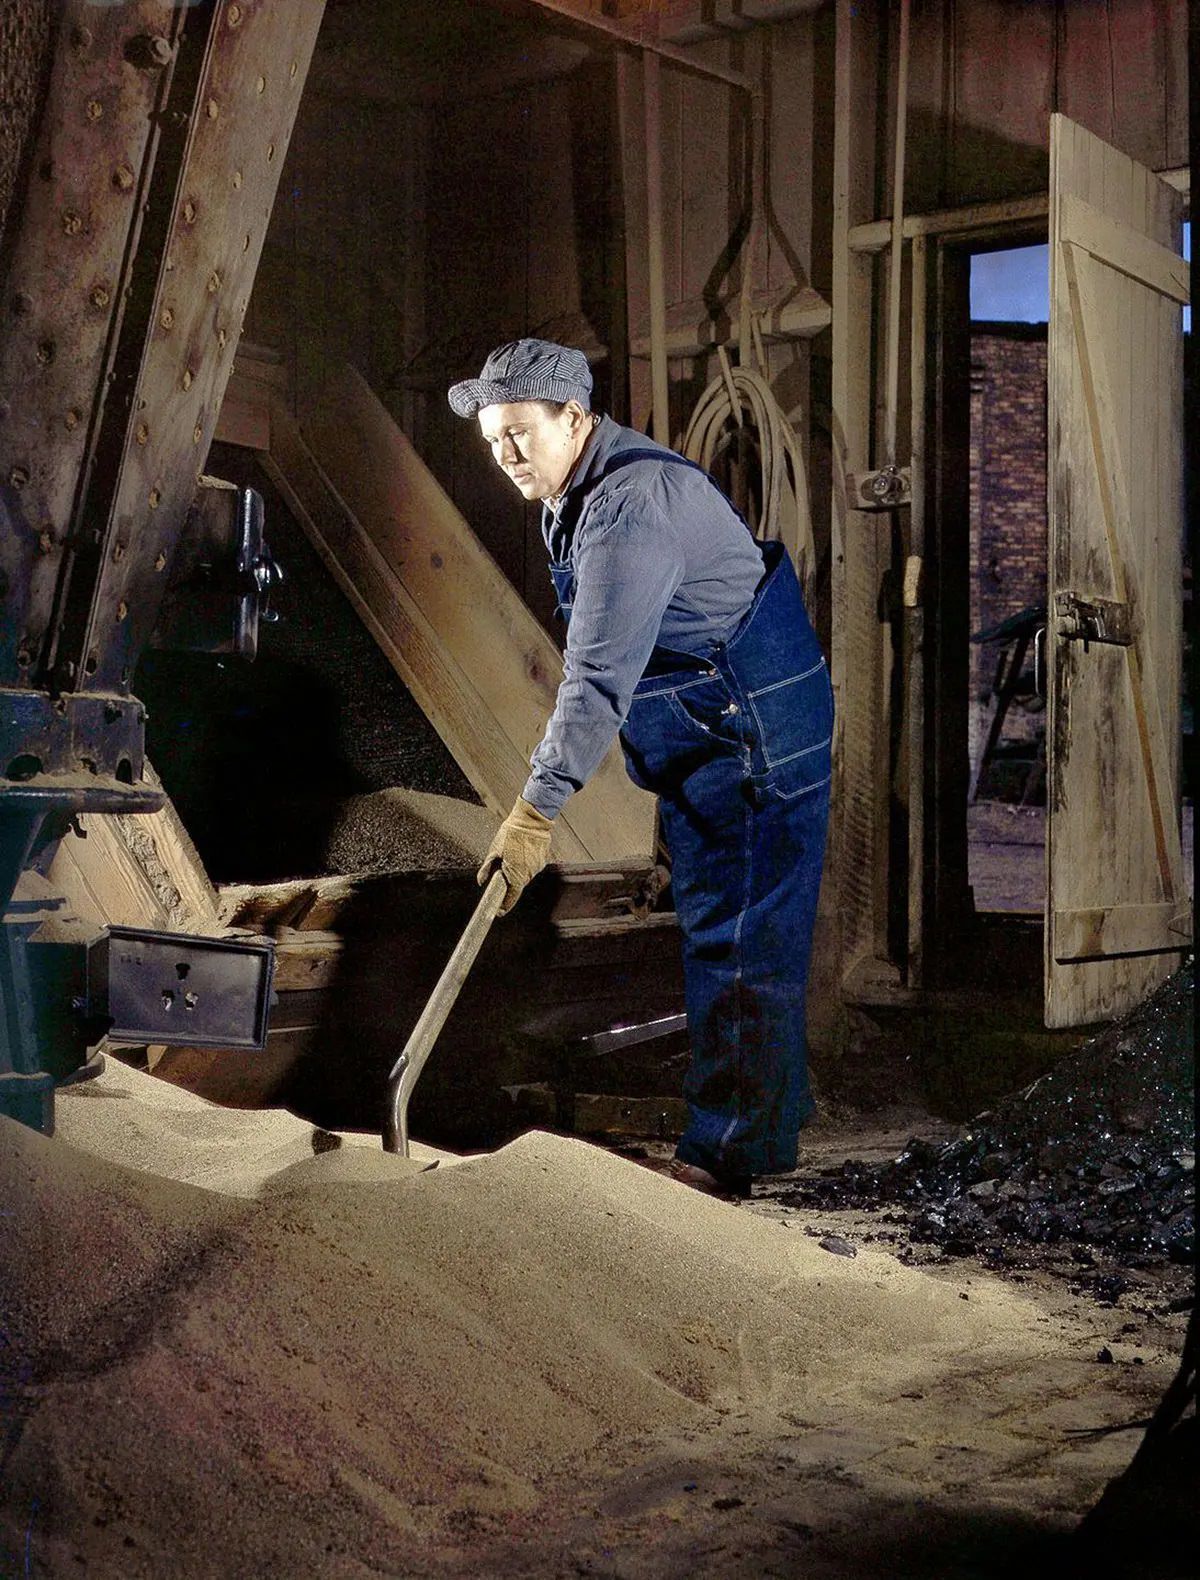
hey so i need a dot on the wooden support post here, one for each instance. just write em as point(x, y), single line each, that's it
point(914, 621)
point(896, 276)
point(652, 110)
point(858, 843)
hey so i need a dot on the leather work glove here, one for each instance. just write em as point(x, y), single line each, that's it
point(520, 850)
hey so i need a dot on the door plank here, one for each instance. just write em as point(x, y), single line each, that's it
point(1105, 931)
point(1125, 249)
point(1114, 868)
point(1115, 502)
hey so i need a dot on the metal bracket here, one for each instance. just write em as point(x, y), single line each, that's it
point(887, 488)
point(1093, 620)
point(179, 988)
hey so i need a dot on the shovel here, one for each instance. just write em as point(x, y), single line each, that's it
point(407, 1070)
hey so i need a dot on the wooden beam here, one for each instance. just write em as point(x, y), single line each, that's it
point(1124, 249)
point(877, 234)
point(1120, 930)
point(586, 897)
point(859, 866)
point(258, 378)
point(612, 32)
point(484, 751)
point(458, 633)
point(652, 109)
point(874, 236)
point(135, 871)
point(796, 313)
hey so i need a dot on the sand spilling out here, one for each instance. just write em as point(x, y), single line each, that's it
point(332, 1362)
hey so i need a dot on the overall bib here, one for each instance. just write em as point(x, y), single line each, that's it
point(736, 746)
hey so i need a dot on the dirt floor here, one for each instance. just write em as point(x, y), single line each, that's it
point(1007, 855)
point(232, 1345)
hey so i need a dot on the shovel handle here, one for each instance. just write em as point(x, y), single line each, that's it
point(407, 1069)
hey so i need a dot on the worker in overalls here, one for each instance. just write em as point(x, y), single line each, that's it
point(689, 639)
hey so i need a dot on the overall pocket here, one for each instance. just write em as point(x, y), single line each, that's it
point(706, 707)
point(673, 729)
point(794, 721)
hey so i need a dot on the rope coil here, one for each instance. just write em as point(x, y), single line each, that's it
point(741, 398)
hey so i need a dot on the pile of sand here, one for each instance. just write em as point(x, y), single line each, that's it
point(343, 1362)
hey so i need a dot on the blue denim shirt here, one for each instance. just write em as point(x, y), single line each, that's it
point(659, 558)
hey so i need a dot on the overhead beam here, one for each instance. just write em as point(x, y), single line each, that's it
point(600, 27)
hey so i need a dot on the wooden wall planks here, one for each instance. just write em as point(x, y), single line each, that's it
point(986, 74)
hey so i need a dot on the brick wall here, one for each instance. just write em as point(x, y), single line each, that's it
point(1008, 498)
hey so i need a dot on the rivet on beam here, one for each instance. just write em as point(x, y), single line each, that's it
point(212, 109)
point(45, 352)
point(189, 212)
point(148, 50)
point(246, 242)
point(95, 110)
point(71, 222)
point(81, 38)
point(123, 178)
point(237, 180)
point(197, 434)
point(270, 151)
point(46, 540)
point(118, 553)
point(142, 433)
point(234, 15)
point(187, 378)
point(214, 283)
point(154, 499)
point(122, 609)
point(261, 85)
point(295, 67)
point(22, 304)
point(73, 418)
point(18, 477)
point(100, 295)
point(160, 563)
point(167, 317)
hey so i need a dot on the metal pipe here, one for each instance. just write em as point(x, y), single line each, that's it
point(407, 1070)
point(896, 275)
point(659, 381)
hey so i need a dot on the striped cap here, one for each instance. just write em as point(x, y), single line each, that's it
point(526, 370)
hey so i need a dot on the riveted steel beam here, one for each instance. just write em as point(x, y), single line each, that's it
point(64, 293)
point(251, 58)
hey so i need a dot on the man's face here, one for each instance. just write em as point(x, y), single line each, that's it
point(536, 448)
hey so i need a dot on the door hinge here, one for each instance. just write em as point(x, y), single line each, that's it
point(1093, 620)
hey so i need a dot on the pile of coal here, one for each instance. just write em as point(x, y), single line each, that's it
point(1095, 1160)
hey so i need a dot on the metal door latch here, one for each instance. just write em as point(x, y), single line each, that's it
point(1093, 620)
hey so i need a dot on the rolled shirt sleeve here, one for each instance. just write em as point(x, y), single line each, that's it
point(629, 563)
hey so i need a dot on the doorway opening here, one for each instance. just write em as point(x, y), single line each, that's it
point(1007, 577)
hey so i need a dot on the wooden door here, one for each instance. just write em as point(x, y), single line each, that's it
point(1117, 913)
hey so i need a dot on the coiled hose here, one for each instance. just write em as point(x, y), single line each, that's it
point(738, 398)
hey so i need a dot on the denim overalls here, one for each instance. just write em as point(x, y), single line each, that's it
point(736, 746)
